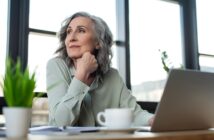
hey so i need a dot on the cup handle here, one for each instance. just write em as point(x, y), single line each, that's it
point(99, 115)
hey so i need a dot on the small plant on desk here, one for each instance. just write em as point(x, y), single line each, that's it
point(18, 88)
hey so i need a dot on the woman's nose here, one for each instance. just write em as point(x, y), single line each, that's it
point(73, 36)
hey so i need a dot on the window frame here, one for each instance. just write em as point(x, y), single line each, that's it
point(18, 30)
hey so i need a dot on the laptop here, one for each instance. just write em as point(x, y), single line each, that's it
point(187, 102)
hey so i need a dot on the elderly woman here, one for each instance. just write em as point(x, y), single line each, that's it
point(82, 81)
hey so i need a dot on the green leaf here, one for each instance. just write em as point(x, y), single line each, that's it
point(18, 85)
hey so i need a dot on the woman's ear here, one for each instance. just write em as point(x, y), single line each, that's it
point(97, 46)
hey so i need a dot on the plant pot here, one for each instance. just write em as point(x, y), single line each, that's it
point(17, 121)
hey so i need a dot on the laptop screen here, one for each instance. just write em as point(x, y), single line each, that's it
point(187, 102)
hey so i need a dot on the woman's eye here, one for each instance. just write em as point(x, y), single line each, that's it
point(81, 30)
point(68, 31)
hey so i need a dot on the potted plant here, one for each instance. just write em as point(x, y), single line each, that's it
point(18, 87)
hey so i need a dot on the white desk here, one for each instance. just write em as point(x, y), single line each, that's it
point(185, 135)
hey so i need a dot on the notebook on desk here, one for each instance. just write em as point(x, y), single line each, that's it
point(187, 102)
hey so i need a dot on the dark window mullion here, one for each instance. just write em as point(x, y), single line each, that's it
point(190, 38)
point(123, 40)
point(42, 31)
point(18, 22)
point(207, 55)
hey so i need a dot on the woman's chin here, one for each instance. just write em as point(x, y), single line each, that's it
point(75, 56)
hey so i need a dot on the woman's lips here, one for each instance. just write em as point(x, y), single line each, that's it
point(74, 46)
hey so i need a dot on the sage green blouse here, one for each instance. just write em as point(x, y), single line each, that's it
point(73, 103)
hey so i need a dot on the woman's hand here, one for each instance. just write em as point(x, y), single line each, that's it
point(86, 65)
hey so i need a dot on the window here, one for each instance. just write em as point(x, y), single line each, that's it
point(48, 18)
point(41, 48)
point(3, 38)
point(205, 22)
point(154, 26)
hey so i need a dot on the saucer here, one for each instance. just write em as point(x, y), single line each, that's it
point(119, 130)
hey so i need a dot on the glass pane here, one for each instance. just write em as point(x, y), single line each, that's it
point(42, 48)
point(3, 38)
point(206, 63)
point(154, 26)
point(205, 22)
point(60, 9)
point(114, 63)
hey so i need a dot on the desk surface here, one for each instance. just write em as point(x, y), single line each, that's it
point(185, 135)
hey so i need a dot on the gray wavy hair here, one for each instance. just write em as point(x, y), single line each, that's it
point(103, 36)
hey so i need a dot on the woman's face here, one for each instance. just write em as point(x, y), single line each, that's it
point(80, 37)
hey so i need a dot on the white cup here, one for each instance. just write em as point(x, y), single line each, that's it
point(116, 118)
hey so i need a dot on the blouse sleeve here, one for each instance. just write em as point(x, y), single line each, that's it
point(65, 94)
